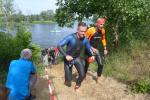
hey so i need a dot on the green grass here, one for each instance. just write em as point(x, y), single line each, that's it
point(130, 65)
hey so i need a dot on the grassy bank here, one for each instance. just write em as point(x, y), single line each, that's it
point(43, 22)
point(131, 65)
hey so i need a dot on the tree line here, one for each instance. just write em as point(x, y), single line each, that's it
point(43, 16)
point(8, 14)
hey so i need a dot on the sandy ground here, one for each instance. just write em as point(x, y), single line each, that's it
point(108, 89)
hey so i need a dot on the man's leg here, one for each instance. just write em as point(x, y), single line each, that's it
point(86, 67)
point(86, 62)
point(80, 68)
point(68, 73)
point(46, 62)
point(33, 79)
point(100, 66)
point(53, 61)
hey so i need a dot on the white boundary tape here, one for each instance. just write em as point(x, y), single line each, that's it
point(49, 85)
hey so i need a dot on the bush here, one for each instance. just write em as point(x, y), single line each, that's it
point(130, 64)
point(11, 47)
point(141, 86)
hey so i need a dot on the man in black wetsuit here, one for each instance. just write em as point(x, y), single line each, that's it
point(75, 43)
point(95, 35)
point(51, 55)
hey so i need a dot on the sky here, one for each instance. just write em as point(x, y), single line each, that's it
point(29, 7)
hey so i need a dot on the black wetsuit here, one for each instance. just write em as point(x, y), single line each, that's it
point(74, 47)
point(96, 38)
point(52, 56)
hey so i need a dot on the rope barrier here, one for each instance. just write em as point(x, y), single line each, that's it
point(49, 85)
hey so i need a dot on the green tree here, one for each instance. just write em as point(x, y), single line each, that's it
point(1, 12)
point(7, 10)
point(50, 14)
point(18, 17)
point(124, 17)
point(1, 7)
point(47, 15)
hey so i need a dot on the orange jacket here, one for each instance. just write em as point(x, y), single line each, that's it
point(90, 32)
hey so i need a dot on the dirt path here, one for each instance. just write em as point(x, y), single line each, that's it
point(110, 89)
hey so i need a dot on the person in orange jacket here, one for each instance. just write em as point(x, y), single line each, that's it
point(95, 35)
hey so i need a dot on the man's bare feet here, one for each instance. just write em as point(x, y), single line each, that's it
point(76, 88)
point(100, 79)
point(67, 83)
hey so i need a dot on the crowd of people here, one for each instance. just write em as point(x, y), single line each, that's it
point(49, 56)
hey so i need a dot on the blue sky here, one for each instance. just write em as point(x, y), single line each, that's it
point(34, 6)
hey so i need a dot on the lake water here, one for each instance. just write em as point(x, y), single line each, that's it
point(47, 35)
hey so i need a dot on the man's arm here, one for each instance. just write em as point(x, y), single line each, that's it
point(33, 76)
point(88, 47)
point(104, 41)
point(8, 80)
point(61, 50)
point(61, 44)
point(60, 47)
point(104, 38)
